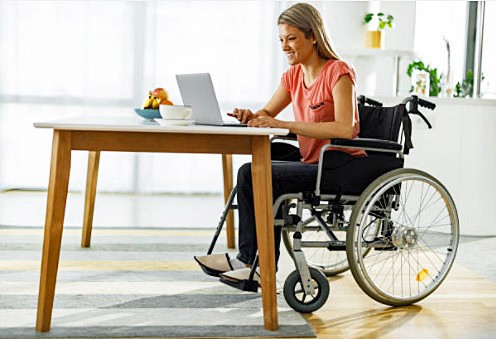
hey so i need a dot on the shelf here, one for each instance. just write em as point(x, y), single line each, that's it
point(396, 56)
point(373, 52)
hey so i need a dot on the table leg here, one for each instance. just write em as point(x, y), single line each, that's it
point(228, 186)
point(89, 198)
point(57, 195)
point(262, 197)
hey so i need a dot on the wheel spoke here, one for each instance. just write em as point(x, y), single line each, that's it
point(416, 221)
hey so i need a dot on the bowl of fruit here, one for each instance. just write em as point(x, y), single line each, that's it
point(150, 108)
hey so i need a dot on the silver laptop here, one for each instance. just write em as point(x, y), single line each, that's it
point(197, 91)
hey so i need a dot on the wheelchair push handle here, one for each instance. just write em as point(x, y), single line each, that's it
point(362, 100)
point(415, 101)
point(426, 104)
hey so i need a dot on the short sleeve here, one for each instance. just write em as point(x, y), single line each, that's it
point(340, 68)
point(288, 79)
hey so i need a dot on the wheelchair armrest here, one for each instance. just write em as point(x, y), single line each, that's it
point(367, 143)
point(289, 136)
point(282, 148)
point(328, 159)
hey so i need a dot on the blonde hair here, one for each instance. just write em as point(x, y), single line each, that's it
point(308, 20)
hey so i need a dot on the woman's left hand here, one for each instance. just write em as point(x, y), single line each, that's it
point(266, 121)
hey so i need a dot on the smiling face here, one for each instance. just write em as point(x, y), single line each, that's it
point(295, 45)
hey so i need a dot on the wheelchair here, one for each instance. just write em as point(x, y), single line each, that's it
point(395, 228)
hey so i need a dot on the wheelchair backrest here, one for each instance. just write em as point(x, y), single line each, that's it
point(385, 123)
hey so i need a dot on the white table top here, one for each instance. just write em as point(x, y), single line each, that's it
point(136, 124)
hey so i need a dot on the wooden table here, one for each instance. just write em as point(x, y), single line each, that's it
point(129, 134)
point(90, 195)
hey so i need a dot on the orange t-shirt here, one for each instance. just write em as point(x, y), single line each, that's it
point(316, 104)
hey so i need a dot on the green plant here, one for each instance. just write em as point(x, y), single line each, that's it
point(466, 87)
point(385, 20)
point(434, 78)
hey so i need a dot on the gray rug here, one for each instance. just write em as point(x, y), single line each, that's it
point(96, 299)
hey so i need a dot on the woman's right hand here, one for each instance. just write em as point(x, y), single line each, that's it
point(243, 115)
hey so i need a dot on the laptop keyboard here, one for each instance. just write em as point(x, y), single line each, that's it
point(226, 124)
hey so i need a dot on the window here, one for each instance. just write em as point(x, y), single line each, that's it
point(66, 50)
point(435, 26)
point(488, 67)
point(66, 58)
point(434, 23)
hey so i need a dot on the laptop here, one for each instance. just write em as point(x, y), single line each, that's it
point(197, 91)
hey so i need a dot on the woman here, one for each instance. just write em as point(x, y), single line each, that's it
point(321, 89)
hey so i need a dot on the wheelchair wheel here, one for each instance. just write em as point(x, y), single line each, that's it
point(331, 263)
point(408, 223)
point(295, 295)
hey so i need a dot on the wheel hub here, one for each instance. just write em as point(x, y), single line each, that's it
point(404, 237)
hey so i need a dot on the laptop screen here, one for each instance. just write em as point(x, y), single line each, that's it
point(197, 91)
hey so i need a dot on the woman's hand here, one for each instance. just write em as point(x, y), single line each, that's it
point(261, 118)
point(267, 121)
point(243, 115)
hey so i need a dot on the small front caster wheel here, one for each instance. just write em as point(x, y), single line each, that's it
point(295, 294)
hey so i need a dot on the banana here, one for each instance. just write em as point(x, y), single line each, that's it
point(155, 98)
point(155, 103)
point(148, 103)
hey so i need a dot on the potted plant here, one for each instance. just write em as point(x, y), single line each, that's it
point(466, 87)
point(374, 37)
point(434, 86)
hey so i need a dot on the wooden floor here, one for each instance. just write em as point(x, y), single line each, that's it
point(464, 306)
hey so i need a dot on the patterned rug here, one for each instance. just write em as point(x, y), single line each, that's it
point(130, 283)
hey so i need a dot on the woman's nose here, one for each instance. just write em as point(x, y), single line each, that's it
point(284, 45)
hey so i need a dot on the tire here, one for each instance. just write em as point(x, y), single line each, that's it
point(418, 223)
point(295, 295)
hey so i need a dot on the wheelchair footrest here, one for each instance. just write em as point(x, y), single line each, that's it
point(243, 285)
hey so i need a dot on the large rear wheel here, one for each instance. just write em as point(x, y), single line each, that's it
point(402, 237)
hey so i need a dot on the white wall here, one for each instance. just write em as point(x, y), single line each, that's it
point(460, 151)
point(403, 35)
point(343, 19)
point(375, 68)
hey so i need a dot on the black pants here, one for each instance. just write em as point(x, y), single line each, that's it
point(287, 177)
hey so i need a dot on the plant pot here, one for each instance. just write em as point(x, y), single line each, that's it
point(374, 39)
